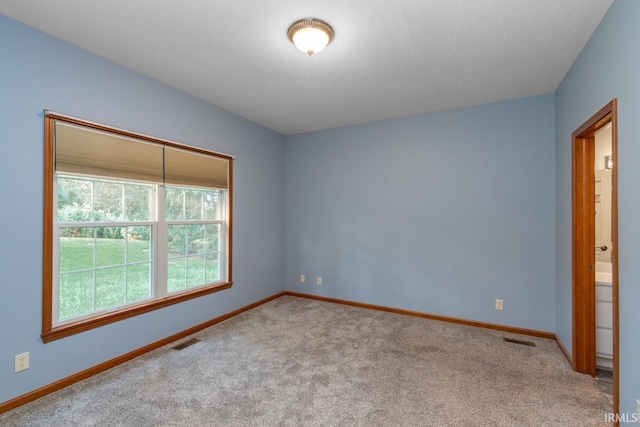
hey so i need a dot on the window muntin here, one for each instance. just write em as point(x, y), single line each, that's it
point(117, 241)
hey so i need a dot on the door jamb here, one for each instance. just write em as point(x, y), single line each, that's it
point(583, 283)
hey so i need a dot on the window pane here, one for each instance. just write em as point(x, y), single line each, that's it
point(110, 287)
point(195, 271)
point(75, 294)
point(138, 282)
point(109, 250)
point(109, 232)
point(212, 268)
point(139, 244)
point(177, 240)
point(137, 202)
point(196, 239)
point(74, 199)
point(193, 204)
point(76, 251)
point(108, 201)
point(212, 240)
point(212, 204)
point(176, 274)
point(174, 204)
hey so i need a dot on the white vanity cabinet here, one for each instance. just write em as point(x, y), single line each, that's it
point(604, 321)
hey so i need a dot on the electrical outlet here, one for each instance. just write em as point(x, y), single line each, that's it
point(319, 281)
point(302, 278)
point(21, 362)
point(499, 304)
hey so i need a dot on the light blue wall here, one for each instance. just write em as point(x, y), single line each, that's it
point(38, 72)
point(608, 67)
point(440, 213)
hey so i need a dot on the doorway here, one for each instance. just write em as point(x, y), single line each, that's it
point(584, 200)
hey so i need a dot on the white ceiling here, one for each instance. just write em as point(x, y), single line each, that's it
point(388, 59)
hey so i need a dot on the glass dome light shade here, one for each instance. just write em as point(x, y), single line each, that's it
point(310, 35)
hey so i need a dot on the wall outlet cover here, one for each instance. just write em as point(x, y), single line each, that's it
point(21, 362)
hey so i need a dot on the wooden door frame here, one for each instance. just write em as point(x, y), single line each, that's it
point(583, 207)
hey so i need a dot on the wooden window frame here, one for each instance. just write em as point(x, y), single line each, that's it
point(51, 333)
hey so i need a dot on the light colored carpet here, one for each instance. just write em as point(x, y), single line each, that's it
point(299, 362)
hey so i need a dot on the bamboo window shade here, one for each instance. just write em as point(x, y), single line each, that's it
point(87, 151)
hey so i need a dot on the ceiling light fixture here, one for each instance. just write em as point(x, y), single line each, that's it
point(310, 35)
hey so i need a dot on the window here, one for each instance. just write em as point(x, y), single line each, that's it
point(132, 224)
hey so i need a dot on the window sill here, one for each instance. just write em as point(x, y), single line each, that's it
point(105, 319)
